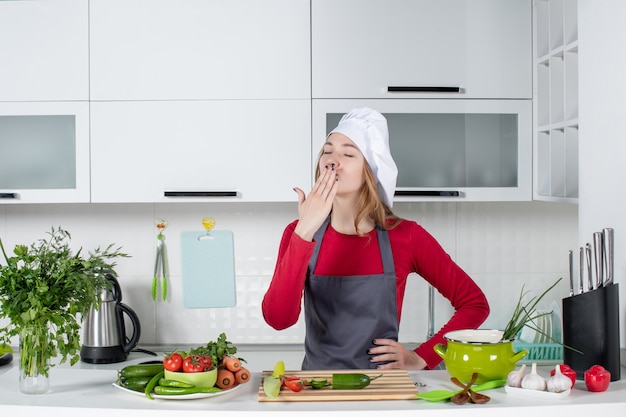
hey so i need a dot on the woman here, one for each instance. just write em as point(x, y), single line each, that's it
point(349, 256)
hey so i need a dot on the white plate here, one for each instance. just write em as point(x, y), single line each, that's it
point(179, 397)
point(557, 325)
point(538, 323)
point(532, 393)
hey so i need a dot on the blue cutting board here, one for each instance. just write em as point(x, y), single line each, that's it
point(208, 264)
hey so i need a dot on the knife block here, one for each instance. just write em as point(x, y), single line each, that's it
point(591, 325)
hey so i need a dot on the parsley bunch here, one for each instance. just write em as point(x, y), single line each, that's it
point(216, 350)
point(45, 290)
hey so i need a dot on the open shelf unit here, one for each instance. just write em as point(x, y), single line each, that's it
point(556, 100)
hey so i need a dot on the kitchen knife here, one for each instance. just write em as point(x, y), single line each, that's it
point(607, 241)
point(571, 273)
point(589, 268)
point(581, 270)
point(599, 258)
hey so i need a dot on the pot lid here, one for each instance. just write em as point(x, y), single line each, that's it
point(481, 336)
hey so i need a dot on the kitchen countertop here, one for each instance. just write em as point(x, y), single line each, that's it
point(87, 389)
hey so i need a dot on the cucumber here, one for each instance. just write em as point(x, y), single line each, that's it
point(351, 381)
point(343, 381)
point(318, 383)
point(138, 383)
point(134, 371)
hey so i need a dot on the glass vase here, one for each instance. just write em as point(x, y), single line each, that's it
point(34, 365)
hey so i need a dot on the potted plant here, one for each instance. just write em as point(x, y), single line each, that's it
point(45, 290)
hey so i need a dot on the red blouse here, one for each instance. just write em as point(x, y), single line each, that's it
point(414, 250)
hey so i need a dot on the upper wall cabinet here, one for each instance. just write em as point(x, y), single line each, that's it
point(199, 150)
point(200, 49)
point(44, 152)
point(44, 50)
point(421, 48)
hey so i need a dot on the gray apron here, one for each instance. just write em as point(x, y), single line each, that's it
point(344, 314)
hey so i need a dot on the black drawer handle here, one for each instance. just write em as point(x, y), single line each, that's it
point(423, 193)
point(8, 195)
point(200, 193)
point(422, 89)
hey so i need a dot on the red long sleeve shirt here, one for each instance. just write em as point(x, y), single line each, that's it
point(414, 250)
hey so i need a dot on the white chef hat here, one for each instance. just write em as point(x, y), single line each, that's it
point(368, 130)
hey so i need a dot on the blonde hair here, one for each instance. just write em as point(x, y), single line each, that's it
point(369, 203)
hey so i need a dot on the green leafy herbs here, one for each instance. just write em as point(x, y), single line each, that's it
point(525, 314)
point(45, 290)
point(216, 349)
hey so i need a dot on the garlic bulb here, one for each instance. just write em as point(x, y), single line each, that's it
point(533, 380)
point(514, 379)
point(559, 382)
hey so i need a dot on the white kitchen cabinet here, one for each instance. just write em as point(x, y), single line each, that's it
point(200, 151)
point(556, 101)
point(44, 49)
point(449, 150)
point(44, 152)
point(199, 49)
point(362, 48)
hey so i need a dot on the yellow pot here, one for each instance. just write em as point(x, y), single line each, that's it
point(482, 351)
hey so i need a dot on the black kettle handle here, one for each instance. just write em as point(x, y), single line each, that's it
point(117, 290)
point(121, 310)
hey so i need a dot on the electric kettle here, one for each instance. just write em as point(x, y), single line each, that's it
point(104, 329)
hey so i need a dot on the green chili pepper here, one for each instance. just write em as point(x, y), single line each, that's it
point(171, 383)
point(153, 384)
point(164, 390)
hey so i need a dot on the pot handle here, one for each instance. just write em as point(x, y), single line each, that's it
point(440, 349)
point(124, 309)
point(519, 355)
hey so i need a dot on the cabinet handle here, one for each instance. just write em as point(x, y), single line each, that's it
point(200, 193)
point(423, 193)
point(422, 89)
point(8, 195)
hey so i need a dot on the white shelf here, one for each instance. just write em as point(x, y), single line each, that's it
point(556, 101)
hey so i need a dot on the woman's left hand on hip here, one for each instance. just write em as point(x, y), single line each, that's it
point(395, 356)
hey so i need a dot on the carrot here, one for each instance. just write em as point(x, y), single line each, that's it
point(225, 379)
point(231, 363)
point(242, 375)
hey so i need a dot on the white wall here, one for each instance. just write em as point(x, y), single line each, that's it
point(502, 245)
point(602, 112)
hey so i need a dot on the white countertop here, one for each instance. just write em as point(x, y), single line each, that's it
point(87, 389)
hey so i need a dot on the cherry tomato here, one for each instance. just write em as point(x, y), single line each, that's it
point(191, 364)
point(597, 378)
point(173, 362)
point(206, 362)
point(294, 385)
point(567, 371)
point(285, 378)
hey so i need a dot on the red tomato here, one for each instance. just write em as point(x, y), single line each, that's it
point(597, 378)
point(191, 364)
point(285, 378)
point(206, 362)
point(294, 385)
point(567, 371)
point(173, 362)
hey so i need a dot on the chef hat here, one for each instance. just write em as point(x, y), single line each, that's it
point(368, 130)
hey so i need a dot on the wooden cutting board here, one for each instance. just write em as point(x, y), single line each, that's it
point(395, 384)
